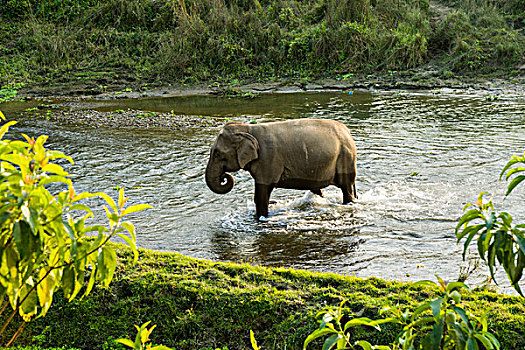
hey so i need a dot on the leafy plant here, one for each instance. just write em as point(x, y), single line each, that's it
point(439, 323)
point(331, 325)
point(9, 91)
point(45, 243)
point(141, 339)
point(442, 323)
point(498, 238)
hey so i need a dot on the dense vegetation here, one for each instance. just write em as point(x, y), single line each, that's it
point(104, 41)
point(199, 304)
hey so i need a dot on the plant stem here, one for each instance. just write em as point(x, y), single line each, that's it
point(17, 333)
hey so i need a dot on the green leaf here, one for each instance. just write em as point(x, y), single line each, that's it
point(253, 341)
point(108, 200)
point(326, 319)
point(6, 126)
point(82, 196)
point(491, 260)
point(493, 339)
point(383, 320)
point(121, 200)
point(521, 243)
point(506, 218)
point(55, 169)
point(364, 344)
point(467, 217)
point(425, 283)
point(130, 228)
point(91, 281)
point(421, 321)
point(463, 316)
point(24, 240)
point(54, 179)
point(133, 247)
point(127, 343)
point(46, 288)
point(513, 160)
point(330, 341)
point(16, 159)
point(437, 334)
point(82, 207)
point(455, 296)
point(136, 208)
point(515, 182)
point(485, 341)
point(514, 171)
point(362, 321)
point(435, 305)
point(29, 301)
point(317, 334)
point(420, 309)
point(106, 264)
point(472, 344)
point(456, 285)
point(60, 155)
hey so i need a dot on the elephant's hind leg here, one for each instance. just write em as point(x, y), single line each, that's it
point(346, 182)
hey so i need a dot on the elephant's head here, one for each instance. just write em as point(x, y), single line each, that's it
point(233, 150)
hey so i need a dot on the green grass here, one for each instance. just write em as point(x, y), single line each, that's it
point(199, 304)
point(100, 42)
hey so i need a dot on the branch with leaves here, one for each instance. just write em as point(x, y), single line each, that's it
point(498, 238)
point(45, 243)
point(439, 323)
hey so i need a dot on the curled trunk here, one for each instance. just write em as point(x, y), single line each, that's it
point(217, 180)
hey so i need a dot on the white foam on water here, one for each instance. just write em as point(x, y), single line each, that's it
point(308, 212)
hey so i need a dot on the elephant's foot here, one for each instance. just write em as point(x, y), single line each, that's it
point(347, 197)
point(262, 199)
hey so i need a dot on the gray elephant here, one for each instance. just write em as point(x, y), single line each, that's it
point(305, 154)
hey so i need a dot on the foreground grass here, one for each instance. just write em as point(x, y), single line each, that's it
point(199, 304)
point(101, 42)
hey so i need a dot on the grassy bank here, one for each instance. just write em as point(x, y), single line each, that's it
point(137, 42)
point(198, 304)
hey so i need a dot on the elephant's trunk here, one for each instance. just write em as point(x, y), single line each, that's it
point(217, 180)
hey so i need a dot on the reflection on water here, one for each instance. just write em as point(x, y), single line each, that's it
point(421, 157)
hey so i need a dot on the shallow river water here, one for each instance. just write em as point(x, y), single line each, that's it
point(421, 158)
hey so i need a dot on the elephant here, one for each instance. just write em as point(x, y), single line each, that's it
point(303, 154)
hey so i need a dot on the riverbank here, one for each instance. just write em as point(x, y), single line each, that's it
point(394, 81)
point(200, 304)
point(99, 48)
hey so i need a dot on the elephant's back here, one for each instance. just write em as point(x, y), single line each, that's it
point(304, 140)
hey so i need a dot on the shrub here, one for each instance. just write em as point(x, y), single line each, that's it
point(44, 240)
point(435, 324)
point(498, 238)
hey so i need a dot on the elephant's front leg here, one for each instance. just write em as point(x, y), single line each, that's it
point(262, 199)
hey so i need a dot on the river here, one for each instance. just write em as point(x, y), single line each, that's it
point(421, 158)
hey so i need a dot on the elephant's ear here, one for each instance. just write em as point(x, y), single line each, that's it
point(248, 148)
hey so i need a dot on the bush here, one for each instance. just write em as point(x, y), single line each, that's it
point(498, 238)
point(44, 240)
point(205, 39)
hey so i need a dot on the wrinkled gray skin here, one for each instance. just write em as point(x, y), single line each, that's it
point(305, 154)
